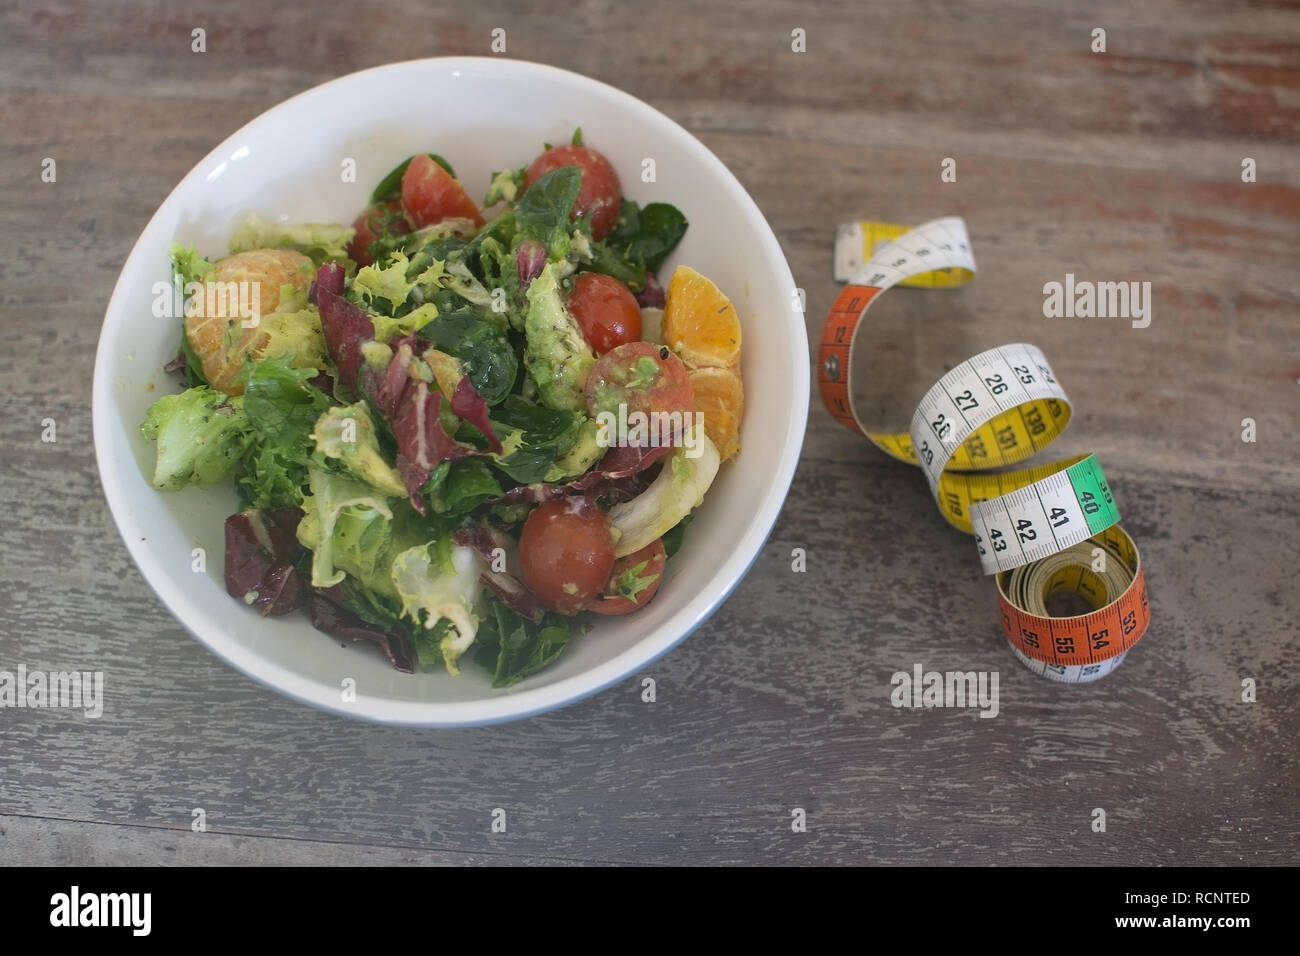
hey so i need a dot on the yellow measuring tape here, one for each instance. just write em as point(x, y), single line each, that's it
point(1047, 531)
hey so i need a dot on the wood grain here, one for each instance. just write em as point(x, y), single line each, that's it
point(1123, 165)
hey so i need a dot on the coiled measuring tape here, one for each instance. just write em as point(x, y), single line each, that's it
point(1045, 531)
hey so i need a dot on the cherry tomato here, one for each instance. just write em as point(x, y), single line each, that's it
point(641, 375)
point(633, 582)
point(384, 218)
point(430, 195)
point(566, 553)
point(599, 196)
point(606, 311)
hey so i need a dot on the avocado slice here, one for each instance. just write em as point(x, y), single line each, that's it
point(557, 356)
point(586, 451)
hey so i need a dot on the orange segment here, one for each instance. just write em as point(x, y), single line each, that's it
point(700, 323)
point(220, 341)
point(720, 398)
point(270, 268)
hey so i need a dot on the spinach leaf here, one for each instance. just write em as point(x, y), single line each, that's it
point(543, 211)
point(371, 607)
point(437, 478)
point(468, 484)
point(193, 366)
point(534, 437)
point(607, 261)
point(490, 361)
point(428, 655)
point(513, 648)
point(628, 224)
point(673, 537)
point(640, 240)
point(661, 227)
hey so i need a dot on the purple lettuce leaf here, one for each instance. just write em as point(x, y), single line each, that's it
point(468, 404)
point(530, 257)
point(261, 554)
point(331, 617)
point(346, 326)
point(652, 296)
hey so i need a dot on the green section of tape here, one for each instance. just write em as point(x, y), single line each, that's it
point(1094, 494)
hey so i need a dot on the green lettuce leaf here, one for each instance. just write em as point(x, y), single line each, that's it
point(283, 410)
point(193, 365)
point(201, 435)
point(188, 264)
point(294, 331)
point(676, 491)
point(433, 589)
point(505, 187)
point(347, 433)
point(385, 291)
point(424, 246)
point(320, 241)
point(281, 403)
point(457, 277)
point(347, 527)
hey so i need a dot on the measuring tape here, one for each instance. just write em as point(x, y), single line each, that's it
point(1047, 531)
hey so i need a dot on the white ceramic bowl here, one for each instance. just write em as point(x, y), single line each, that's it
point(483, 114)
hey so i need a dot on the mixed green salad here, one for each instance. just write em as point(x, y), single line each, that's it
point(411, 411)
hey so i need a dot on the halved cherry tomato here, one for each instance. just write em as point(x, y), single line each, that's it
point(566, 553)
point(381, 219)
point(606, 311)
point(633, 582)
point(430, 195)
point(642, 376)
point(600, 193)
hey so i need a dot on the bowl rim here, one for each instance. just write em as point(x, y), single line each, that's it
point(509, 705)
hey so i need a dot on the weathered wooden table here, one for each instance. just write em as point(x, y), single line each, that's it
point(1122, 165)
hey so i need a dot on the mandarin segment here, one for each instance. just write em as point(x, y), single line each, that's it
point(220, 341)
point(270, 269)
point(720, 398)
point(699, 322)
